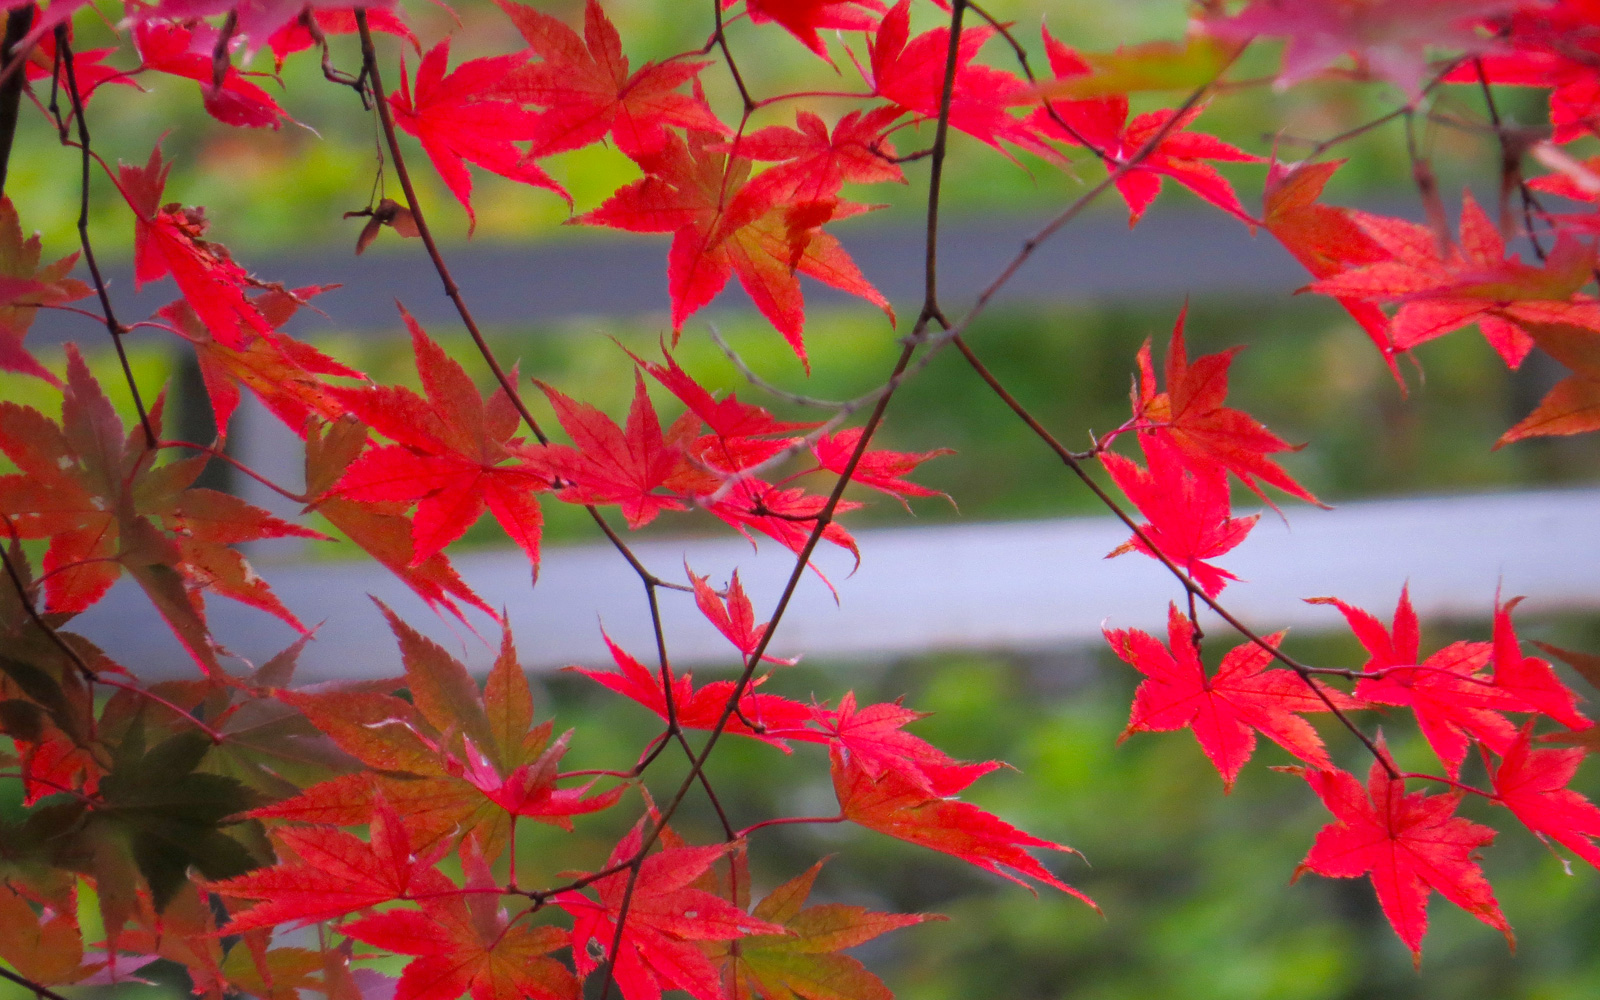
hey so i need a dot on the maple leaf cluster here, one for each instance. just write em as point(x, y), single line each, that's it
point(214, 816)
point(1411, 843)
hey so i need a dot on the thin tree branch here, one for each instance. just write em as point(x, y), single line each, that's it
point(17, 24)
point(1193, 590)
point(370, 71)
point(64, 49)
point(39, 990)
point(369, 57)
point(720, 37)
point(1021, 53)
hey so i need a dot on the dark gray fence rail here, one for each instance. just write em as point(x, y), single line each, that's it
point(587, 273)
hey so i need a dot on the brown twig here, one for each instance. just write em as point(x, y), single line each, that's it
point(1193, 590)
point(115, 329)
point(39, 990)
point(1021, 53)
point(370, 71)
point(369, 57)
point(720, 37)
point(17, 24)
point(825, 516)
point(217, 453)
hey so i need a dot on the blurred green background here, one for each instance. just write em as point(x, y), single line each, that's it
point(1194, 884)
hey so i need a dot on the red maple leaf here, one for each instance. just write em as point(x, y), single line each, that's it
point(1326, 239)
point(607, 464)
point(1103, 124)
point(89, 68)
point(256, 20)
point(776, 719)
point(1189, 517)
point(1190, 416)
point(1453, 700)
point(723, 227)
point(106, 507)
point(727, 417)
point(1533, 785)
point(893, 803)
point(910, 72)
point(295, 36)
point(462, 117)
point(335, 874)
point(588, 90)
point(1472, 282)
point(881, 470)
point(1410, 844)
point(814, 164)
point(733, 616)
point(379, 528)
point(1549, 46)
point(873, 739)
point(449, 456)
point(666, 917)
point(530, 789)
point(24, 287)
point(1225, 709)
point(467, 944)
point(1529, 679)
point(282, 372)
point(171, 48)
point(804, 18)
point(785, 515)
point(168, 239)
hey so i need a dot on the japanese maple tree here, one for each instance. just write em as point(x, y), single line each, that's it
point(216, 816)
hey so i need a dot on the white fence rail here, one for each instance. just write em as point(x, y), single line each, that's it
point(1032, 584)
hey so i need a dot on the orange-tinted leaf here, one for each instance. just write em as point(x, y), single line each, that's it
point(24, 287)
point(805, 961)
point(335, 874)
point(1474, 282)
point(588, 90)
point(1190, 415)
point(1325, 239)
point(893, 804)
point(666, 918)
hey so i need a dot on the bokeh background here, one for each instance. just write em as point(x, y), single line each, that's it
point(1195, 884)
